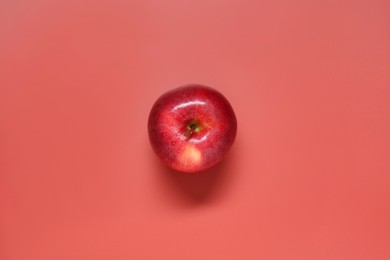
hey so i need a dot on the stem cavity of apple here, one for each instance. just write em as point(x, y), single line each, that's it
point(193, 127)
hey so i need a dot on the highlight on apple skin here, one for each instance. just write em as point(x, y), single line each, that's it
point(191, 128)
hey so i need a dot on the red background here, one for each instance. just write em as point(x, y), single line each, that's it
point(308, 177)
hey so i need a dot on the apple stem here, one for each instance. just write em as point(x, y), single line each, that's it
point(192, 127)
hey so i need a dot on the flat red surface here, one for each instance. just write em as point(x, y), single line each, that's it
point(308, 177)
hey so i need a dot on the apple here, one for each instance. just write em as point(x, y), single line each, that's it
point(191, 128)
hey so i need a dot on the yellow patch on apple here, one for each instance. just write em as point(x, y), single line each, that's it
point(190, 155)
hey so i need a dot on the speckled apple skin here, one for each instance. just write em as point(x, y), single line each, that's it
point(168, 127)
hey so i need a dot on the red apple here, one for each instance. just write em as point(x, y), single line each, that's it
point(191, 128)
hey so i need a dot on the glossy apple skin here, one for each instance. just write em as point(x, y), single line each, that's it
point(191, 128)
